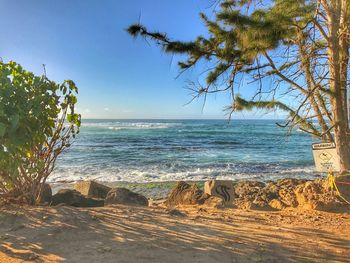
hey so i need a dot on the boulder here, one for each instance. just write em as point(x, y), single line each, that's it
point(220, 188)
point(185, 194)
point(316, 195)
point(277, 204)
point(271, 191)
point(248, 189)
point(265, 195)
point(289, 182)
point(124, 196)
point(92, 189)
point(288, 197)
point(286, 191)
point(45, 195)
point(250, 195)
point(74, 198)
point(260, 203)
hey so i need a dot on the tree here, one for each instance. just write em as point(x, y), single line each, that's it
point(301, 47)
point(37, 122)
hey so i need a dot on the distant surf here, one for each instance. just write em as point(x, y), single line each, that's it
point(171, 150)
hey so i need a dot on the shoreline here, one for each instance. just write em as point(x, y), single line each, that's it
point(160, 189)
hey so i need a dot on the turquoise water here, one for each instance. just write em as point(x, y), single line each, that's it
point(163, 150)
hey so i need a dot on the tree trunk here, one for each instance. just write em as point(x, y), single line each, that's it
point(337, 64)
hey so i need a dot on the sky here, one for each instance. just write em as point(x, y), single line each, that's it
point(117, 76)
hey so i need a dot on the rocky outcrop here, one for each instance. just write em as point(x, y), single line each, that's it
point(124, 196)
point(74, 198)
point(92, 189)
point(248, 189)
point(249, 195)
point(317, 195)
point(185, 194)
point(284, 193)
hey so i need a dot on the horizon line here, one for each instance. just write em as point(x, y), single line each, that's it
point(232, 119)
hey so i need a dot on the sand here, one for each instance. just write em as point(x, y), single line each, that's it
point(155, 234)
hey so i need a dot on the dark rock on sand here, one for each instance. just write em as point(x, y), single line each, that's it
point(124, 196)
point(92, 189)
point(185, 194)
point(45, 196)
point(74, 198)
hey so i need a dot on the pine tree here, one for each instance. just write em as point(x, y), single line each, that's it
point(301, 47)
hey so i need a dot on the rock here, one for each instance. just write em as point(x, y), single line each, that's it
point(124, 196)
point(220, 188)
point(288, 197)
point(277, 204)
point(215, 202)
point(92, 189)
point(250, 195)
point(316, 195)
point(271, 191)
point(260, 204)
point(45, 196)
point(74, 198)
point(289, 182)
point(185, 194)
point(248, 189)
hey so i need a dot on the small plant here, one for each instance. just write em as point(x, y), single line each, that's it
point(37, 123)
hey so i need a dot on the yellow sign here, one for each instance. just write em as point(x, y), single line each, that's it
point(326, 157)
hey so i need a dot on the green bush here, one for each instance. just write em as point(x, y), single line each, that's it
point(37, 123)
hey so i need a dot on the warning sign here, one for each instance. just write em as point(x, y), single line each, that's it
point(326, 157)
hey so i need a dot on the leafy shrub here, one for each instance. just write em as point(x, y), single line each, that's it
point(37, 123)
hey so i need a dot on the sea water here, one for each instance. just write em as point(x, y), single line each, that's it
point(171, 150)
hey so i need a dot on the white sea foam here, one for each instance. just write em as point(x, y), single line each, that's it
point(73, 174)
point(130, 125)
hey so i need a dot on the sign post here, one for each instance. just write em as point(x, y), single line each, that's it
point(326, 157)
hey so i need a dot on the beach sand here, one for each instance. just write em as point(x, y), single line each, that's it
point(155, 234)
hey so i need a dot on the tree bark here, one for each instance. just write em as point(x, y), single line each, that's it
point(337, 64)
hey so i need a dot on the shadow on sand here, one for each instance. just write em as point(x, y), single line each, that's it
point(136, 234)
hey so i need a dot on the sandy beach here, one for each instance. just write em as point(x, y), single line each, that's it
point(155, 234)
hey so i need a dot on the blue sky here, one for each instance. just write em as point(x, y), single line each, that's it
point(117, 76)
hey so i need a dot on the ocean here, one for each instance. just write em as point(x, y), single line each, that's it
point(171, 150)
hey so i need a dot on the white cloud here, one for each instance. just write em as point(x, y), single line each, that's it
point(106, 109)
